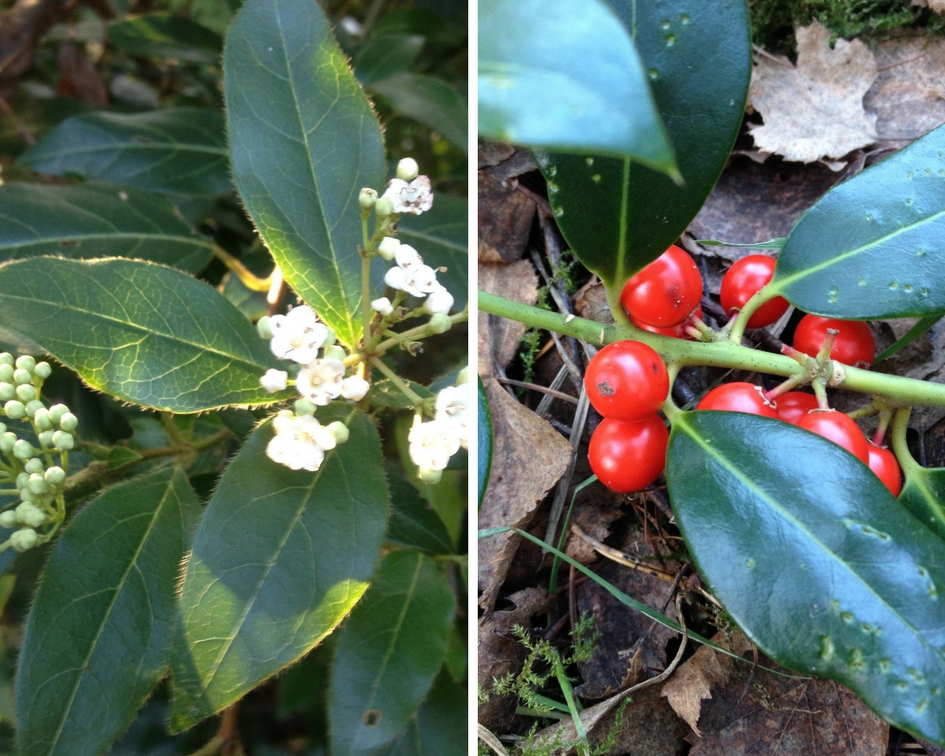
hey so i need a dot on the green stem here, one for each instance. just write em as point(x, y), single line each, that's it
point(248, 279)
point(897, 433)
point(726, 354)
point(366, 299)
point(395, 379)
point(741, 320)
point(414, 334)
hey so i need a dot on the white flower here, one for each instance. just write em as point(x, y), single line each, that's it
point(410, 274)
point(300, 443)
point(433, 443)
point(321, 380)
point(274, 380)
point(407, 169)
point(354, 387)
point(383, 306)
point(413, 198)
point(440, 302)
point(298, 335)
point(452, 406)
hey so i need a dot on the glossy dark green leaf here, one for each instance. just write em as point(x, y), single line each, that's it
point(387, 55)
point(280, 558)
point(815, 560)
point(441, 237)
point(566, 76)
point(172, 150)
point(304, 142)
point(98, 635)
point(618, 215)
point(96, 221)
point(439, 726)
point(166, 35)
point(413, 523)
point(389, 653)
point(484, 439)
point(923, 494)
point(138, 331)
point(429, 100)
point(873, 246)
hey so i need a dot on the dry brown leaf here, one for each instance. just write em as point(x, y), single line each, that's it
point(505, 220)
point(814, 109)
point(499, 337)
point(528, 458)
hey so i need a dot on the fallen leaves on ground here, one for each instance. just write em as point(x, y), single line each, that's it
point(498, 338)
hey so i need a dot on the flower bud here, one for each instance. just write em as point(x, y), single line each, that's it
point(21, 377)
point(6, 442)
point(23, 449)
point(41, 417)
point(438, 302)
point(23, 540)
point(339, 430)
point(6, 373)
point(15, 410)
point(55, 476)
point(384, 207)
point(35, 465)
point(407, 169)
point(34, 407)
point(263, 328)
point(28, 496)
point(69, 422)
point(304, 407)
point(430, 476)
point(62, 440)
point(26, 363)
point(463, 376)
point(367, 198)
point(37, 484)
point(9, 519)
point(31, 515)
point(26, 392)
point(354, 387)
point(57, 411)
point(439, 324)
point(335, 352)
point(383, 306)
point(23, 480)
point(7, 359)
point(388, 247)
point(272, 380)
point(7, 392)
point(45, 438)
point(42, 370)
point(330, 338)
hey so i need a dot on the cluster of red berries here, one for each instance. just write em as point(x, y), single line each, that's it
point(627, 382)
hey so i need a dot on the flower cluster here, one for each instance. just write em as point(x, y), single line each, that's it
point(433, 442)
point(36, 482)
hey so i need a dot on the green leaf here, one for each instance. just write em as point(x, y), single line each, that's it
point(165, 35)
point(439, 726)
point(577, 60)
point(810, 555)
point(387, 55)
point(774, 245)
point(441, 237)
point(139, 331)
point(98, 635)
point(389, 653)
point(280, 558)
point(34, 117)
point(872, 247)
point(484, 440)
point(169, 151)
point(923, 495)
point(96, 221)
point(429, 100)
point(618, 216)
point(413, 523)
point(304, 142)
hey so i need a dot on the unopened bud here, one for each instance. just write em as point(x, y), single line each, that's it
point(38, 484)
point(430, 476)
point(42, 370)
point(57, 411)
point(388, 247)
point(304, 407)
point(23, 449)
point(30, 514)
point(6, 442)
point(9, 519)
point(15, 410)
point(7, 359)
point(26, 392)
point(263, 327)
point(21, 377)
point(23, 540)
point(339, 430)
point(42, 418)
point(335, 352)
point(462, 376)
point(439, 324)
point(6, 373)
point(7, 392)
point(367, 198)
point(330, 338)
point(55, 475)
point(69, 422)
point(407, 169)
point(384, 207)
point(45, 438)
point(34, 407)
point(62, 440)
point(35, 465)
point(26, 363)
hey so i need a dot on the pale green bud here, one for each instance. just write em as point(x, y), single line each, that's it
point(35, 465)
point(57, 411)
point(304, 407)
point(388, 247)
point(263, 328)
point(6, 373)
point(42, 418)
point(330, 338)
point(21, 377)
point(69, 422)
point(30, 514)
point(23, 480)
point(3, 429)
point(33, 407)
point(339, 430)
point(42, 370)
point(15, 410)
point(23, 449)
point(335, 352)
point(367, 198)
point(430, 476)
point(6, 442)
point(28, 496)
point(9, 519)
point(463, 376)
point(407, 169)
point(45, 438)
point(7, 359)
point(55, 475)
point(384, 207)
point(62, 440)
point(26, 363)
point(7, 392)
point(23, 540)
point(38, 484)
point(26, 392)
point(439, 324)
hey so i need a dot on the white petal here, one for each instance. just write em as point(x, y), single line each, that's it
point(440, 302)
point(396, 278)
point(354, 387)
point(383, 306)
point(274, 380)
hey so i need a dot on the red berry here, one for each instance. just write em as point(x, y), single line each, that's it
point(742, 281)
point(626, 380)
point(628, 456)
point(738, 397)
point(676, 331)
point(883, 463)
point(666, 291)
point(854, 344)
point(794, 405)
point(837, 427)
